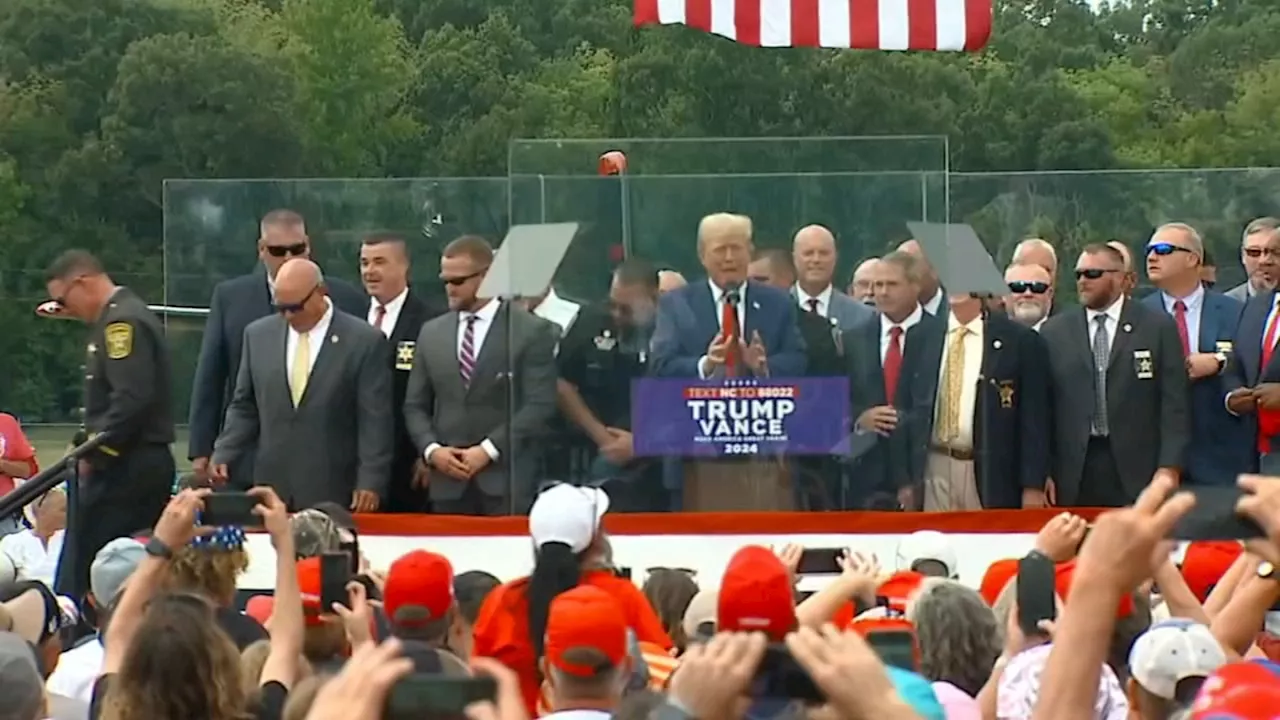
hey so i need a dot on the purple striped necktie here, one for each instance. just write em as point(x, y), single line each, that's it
point(467, 356)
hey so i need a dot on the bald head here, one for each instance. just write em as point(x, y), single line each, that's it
point(669, 280)
point(813, 252)
point(298, 272)
point(300, 293)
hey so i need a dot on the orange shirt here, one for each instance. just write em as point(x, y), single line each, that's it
point(502, 628)
point(15, 447)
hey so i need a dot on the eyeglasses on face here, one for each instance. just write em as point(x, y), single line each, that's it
point(1164, 248)
point(456, 281)
point(1095, 273)
point(287, 308)
point(1255, 252)
point(1034, 287)
point(295, 250)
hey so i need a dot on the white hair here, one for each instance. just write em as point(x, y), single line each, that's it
point(1193, 236)
point(718, 224)
point(1033, 244)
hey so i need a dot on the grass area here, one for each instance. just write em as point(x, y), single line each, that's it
point(51, 442)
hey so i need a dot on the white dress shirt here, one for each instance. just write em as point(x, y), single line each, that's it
point(317, 337)
point(484, 322)
point(973, 347)
point(78, 669)
point(1113, 322)
point(392, 315)
point(717, 302)
point(886, 325)
point(32, 558)
point(823, 298)
point(1039, 323)
point(934, 303)
point(1195, 309)
point(558, 310)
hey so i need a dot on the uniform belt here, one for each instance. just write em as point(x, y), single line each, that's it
point(964, 454)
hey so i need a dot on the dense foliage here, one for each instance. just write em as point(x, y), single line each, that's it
point(101, 101)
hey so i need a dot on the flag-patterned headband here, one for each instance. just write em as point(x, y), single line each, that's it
point(225, 538)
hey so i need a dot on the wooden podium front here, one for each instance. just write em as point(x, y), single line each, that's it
point(735, 484)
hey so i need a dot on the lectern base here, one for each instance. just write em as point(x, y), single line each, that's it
point(737, 484)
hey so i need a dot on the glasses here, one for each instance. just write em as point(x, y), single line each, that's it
point(1164, 248)
point(1255, 253)
point(1036, 288)
point(1095, 273)
point(295, 250)
point(287, 308)
point(456, 281)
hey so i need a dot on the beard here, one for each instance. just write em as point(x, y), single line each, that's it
point(1026, 312)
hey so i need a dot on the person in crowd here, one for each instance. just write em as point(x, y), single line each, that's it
point(975, 389)
point(726, 325)
point(956, 630)
point(669, 592)
point(1251, 383)
point(824, 354)
point(1135, 421)
point(669, 280)
point(874, 353)
point(209, 567)
point(1129, 279)
point(861, 286)
point(1030, 298)
point(933, 298)
point(564, 524)
point(398, 312)
point(1209, 272)
point(585, 661)
point(235, 304)
point(1257, 244)
point(481, 390)
point(126, 480)
point(813, 253)
point(1038, 252)
point(1207, 323)
point(35, 552)
point(929, 553)
point(418, 599)
point(1168, 666)
point(330, 436)
point(470, 589)
point(17, 463)
point(21, 685)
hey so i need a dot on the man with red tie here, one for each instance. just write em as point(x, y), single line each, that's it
point(1252, 380)
point(1218, 450)
point(874, 351)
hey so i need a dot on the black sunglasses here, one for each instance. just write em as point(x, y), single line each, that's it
point(296, 250)
point(1034, 287)
point(1094, 273)
point(455, 281)
point(295, 307)
point(1164, 248)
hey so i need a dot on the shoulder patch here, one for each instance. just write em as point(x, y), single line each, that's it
point(119, 337)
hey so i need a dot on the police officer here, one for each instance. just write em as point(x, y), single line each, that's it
point(126, 482)
point(605, 349)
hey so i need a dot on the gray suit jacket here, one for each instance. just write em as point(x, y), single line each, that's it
point(341, 436)
point(1239, 292)
point(847, 312)
point(510, 401)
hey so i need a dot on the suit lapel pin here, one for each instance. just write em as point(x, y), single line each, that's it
point(333, 338)
point(1127, 327)
point(997, 344)
point(755, 306)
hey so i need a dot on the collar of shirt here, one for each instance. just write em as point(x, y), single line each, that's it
point(1112, 313)
point(322, 327)
point(934, 302)
point(393, 307)
point(911, 321)
point(717, 293)
point(1192, 301)
point(823, 298)
point(486, 312)
point(974, 326)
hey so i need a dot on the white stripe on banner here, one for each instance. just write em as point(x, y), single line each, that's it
point(723, 16)
point(895, 25)
point(775, 23)
point(951, 24)
point(671, 11)
point(833, 23)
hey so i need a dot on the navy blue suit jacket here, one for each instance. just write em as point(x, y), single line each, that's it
point(688, 319)
point(236, 303)
point(1245, 368)
point(1220, 444)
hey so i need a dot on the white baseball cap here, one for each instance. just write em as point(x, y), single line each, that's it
point(567, 514)
point(927, 545)
point(1171, 651)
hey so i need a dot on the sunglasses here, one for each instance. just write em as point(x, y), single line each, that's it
point(456, 281)
point(1035, 287)
point(294, 250)
point(1094, 273)
point(1259, 252)
point(295, 307)
point(1164, 248)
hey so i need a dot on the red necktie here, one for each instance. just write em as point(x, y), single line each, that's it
point(1180, 317)
point(379, 314)
point(1268, 420)
point(729, 330)
point(893, 363)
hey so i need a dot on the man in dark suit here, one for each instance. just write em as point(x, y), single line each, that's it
point(976, 399)
point(933, 298)
point(481, 392)
point(1256, 245)
point(1219, 447)
point(1252, 379)
point(398, 313)
point(875, 351)
point(312, 401)
point(823, 353)
point(236, 303)
point(1109, 443)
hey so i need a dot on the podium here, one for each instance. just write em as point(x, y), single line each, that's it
point(737, 484)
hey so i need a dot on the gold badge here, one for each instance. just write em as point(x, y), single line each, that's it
point(119, 336)
point(1006, 393)
point(1142, 364)
point(404, 355)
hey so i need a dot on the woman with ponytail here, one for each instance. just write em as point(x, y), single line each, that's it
point(569, 548)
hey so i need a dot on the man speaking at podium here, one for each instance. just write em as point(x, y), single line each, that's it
point(726, 327)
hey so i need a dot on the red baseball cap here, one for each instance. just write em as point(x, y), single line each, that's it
point(1205, 562)
point(585, 617)
point(899, 588)
point(996, 578)
point(419, 588)
point(1064, 575)
point(1239, 691)
point(309, 588)
point(756, 594)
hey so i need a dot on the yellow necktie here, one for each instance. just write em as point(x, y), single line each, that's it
point(952, 387)
point(301, 368)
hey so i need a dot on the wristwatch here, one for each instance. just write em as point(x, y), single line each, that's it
point(155, 547)
point(1267, 571)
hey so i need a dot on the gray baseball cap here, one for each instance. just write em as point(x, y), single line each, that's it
point(314, 533)
point(20, 683)
point(112, 566)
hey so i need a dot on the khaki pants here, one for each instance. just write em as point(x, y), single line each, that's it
point(737, 484)
point(950, 484)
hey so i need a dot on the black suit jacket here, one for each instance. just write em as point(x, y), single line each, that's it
point(1245, 366)
point(1148, 417)
point(824, 354)
point(236, 303)
point(1011, 423)
point(404, 337)
point(879, 462)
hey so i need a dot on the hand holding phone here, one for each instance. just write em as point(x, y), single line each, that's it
point(335, 573)
point(1037, 594)
point(231, 509)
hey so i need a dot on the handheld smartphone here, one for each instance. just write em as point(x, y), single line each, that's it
point(351, 546)
point(231, 508)
point(819, 561)
point(896, 648)
point(335, 573)
point(1214, 516)
point(780, 677)
point(1037, 596)
point(438, 697)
